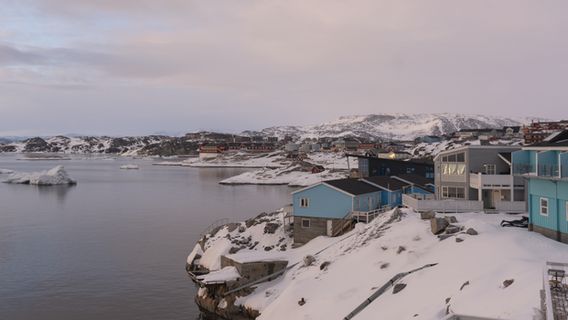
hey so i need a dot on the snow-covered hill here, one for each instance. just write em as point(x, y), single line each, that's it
point(493, 273)
point(143, 145)
point(397, 126)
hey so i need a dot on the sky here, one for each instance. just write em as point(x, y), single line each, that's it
point(145, 66)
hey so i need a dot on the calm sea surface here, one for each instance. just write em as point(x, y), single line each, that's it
point(115, 245)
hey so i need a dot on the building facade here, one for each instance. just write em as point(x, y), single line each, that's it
point(480, 173)
point(545, 168)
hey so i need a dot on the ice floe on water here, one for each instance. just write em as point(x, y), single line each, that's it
point(6, 171)
point(55, 176)
point(130, 167)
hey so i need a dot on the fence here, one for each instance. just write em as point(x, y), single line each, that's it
point(447, 205)
point(511, 206)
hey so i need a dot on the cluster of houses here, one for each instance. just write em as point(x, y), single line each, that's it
point(484, 178)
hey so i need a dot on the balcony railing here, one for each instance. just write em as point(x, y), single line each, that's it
point(547, 170)
point(523, 168)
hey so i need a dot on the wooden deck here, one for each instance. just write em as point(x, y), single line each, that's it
point(555, 288)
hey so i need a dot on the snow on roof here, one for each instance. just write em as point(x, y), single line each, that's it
point(246, 256)
point(223, 275)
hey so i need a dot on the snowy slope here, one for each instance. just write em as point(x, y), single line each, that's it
point(468, 278)
point(396, 126)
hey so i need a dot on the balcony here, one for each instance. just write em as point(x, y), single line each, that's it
point(492, 181)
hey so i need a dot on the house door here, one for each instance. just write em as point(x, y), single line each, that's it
point(487, 197)
point(329, 228)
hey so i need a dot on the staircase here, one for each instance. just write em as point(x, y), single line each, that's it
point(343, 225)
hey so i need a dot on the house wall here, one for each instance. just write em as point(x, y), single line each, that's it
point(324, 202)
point(557, 194)
point(367, 202)
point(318, 227)
point(392, 199)
point(475, 158)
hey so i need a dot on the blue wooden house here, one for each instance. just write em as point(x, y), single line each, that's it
point(319, 208)
point(322, 208)
point(545, 167)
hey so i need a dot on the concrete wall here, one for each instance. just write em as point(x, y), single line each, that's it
point(251, 271)
point(318, 227)
point(324, 202)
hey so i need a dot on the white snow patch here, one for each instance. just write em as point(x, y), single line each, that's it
point(229, 273)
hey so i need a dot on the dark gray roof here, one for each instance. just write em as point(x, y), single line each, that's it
point(352, 186)
point(388, 183)
point(416, 179)
point(557, 139)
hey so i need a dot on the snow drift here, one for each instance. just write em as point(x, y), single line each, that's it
point(55, 176)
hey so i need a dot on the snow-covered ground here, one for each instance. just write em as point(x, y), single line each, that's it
point(422, 150)
point(467, 280)
point(274, 168)
point(283, 176)
point(55, 176)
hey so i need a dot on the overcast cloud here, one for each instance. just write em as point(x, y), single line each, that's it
point(143, 66)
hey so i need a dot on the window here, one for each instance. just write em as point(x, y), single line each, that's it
point(543, 206)
point(453, 168)
point(458, 157)
point(453, 192)
point(305, 223)
point(304, 202)
point(489, 169)
point(409, 170)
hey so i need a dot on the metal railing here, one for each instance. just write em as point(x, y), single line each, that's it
point(368, 216)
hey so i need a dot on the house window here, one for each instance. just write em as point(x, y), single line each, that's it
point(489, 169)
point(453, 192)
point(543, 206)
point(305, 223)
point(304, 202)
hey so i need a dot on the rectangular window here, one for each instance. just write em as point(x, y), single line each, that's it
point(305, 223)
point(543, 206)
point(453, 192)
point(461, 157)
point(489, 169)
point(304, 202)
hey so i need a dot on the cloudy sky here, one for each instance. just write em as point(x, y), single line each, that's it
point(144, 66)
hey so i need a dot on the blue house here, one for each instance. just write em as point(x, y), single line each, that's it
point(320, 208)
point(545, 167)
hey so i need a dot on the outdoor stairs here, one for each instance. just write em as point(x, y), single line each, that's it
point(345, 225)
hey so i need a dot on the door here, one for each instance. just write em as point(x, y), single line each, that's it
point(329, 228)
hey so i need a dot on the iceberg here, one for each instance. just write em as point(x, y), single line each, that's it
point(129, 166)
point(55, 176)
point(6, 171)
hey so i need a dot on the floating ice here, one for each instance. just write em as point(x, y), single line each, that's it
point(55, 176)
